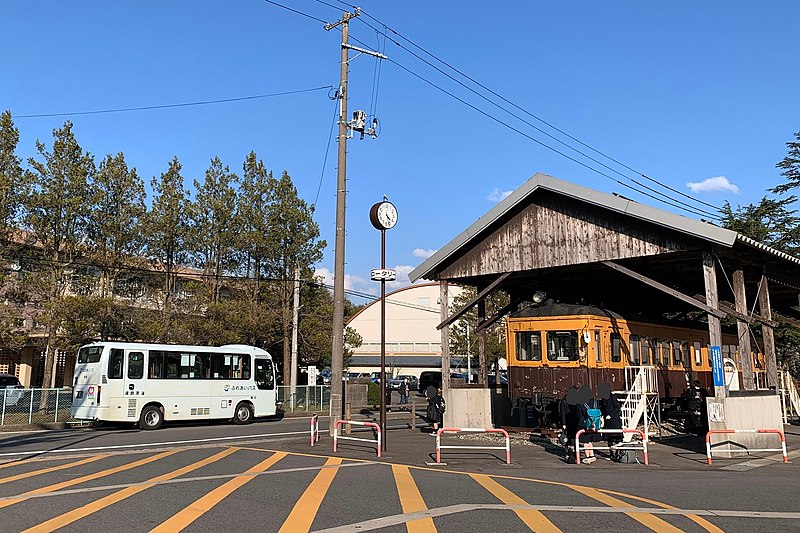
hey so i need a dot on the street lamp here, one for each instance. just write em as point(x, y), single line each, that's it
point(383, 216)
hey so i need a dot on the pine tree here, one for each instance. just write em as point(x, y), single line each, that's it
point(56, 211)
point(790, 166)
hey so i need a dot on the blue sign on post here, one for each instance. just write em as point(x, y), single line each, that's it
point(716, 366)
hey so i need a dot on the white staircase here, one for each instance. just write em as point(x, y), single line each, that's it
point(790, 400)
point(641, 404)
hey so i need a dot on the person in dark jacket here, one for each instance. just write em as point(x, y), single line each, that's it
point(436, 409)
point(612, 414)
point(568, 409)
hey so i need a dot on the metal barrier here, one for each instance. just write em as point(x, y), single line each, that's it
point(439, 446)
point(307, 398)
point(621, 446)
point(778, 432)
point(314, 429)
point(34, 406)
point(373, 425)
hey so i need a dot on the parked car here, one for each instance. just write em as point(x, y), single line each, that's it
point(413, 382)
point(11, 389)
point(375, 377)
point(325, 376)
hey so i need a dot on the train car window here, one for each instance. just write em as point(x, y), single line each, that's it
point(562, 345)
point(666, 352)
point(598, 348)
point(655, 347)
point(616, 348)
point(529, 346)
point(698, 355)
point(686, 357)
point(677, 356)
point(646, 349)
point(635, 356)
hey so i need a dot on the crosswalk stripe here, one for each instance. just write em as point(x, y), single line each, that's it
point(102, 503)
point(411, 500)
point(648, 520)
point(534, 519)
point(83, 479)
point(25, 475)
point(305, 510)
point(204, 504)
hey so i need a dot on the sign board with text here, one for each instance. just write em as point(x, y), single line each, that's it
point(383, 274)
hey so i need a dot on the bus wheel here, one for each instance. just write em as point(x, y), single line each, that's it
point(243, 414)
point(151, 418)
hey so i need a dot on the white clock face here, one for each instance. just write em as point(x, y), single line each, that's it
point(387, 215)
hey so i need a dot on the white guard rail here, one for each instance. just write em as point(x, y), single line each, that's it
point(778, 432)
point(439, 446)
point(621, 446)
point(337, 437)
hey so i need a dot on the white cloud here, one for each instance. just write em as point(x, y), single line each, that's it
point(423, 253)
point(498, 195)
point(355, 283)
point(402, 278)
point(715, 184)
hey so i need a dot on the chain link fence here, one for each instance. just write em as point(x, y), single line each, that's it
point(34, 406)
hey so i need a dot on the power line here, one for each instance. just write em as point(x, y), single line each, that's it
point(170, 106)
point(327, 150)
point(312, 17)
point(664, 185)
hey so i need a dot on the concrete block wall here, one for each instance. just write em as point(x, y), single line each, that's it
point(468, 408)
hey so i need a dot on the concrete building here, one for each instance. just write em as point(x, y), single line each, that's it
point(413, 343)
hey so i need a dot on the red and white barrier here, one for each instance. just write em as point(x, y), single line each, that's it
point(314, 429)
point(778, 432)
point(337, 437)
point(626, 446)
point(439, 446)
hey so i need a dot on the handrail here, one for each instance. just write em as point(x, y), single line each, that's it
point(626, 446)
point(337, 437)
point(778, 432)
point(314, 429)
point(507, 446)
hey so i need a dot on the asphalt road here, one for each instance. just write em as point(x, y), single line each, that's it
point(267, 477)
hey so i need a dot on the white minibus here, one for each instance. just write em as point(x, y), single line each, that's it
point(149, 384)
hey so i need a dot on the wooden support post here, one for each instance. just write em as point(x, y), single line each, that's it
point(482, 371)
point(745, 353)
point(712, 301)
point(347, 417)
point(444, 305)
point(765, 309)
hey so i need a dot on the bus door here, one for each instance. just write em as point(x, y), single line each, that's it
point(134, 383)
point(265, 381)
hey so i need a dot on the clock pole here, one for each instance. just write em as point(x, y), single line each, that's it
point(383, 341)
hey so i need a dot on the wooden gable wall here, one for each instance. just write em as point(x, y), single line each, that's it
point(558, 231)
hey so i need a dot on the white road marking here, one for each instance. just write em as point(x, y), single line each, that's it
point(146, 444)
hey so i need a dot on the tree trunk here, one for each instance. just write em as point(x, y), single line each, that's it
point(287, 362)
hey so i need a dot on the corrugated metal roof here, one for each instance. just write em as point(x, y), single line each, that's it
point(764, 247)
point(701, 230)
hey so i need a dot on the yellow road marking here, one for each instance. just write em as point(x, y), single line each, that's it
point(102, 503)
point(90, 477)
point(51, 469)
point(534, 519)
point(411, 500)
point(702, 522)
point(305, 510)
point(653, 522)
point(207, 502)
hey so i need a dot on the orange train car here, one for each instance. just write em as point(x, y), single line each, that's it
point(551, 347)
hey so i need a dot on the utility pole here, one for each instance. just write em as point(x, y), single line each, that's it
point(295, 327)
point(337, 349)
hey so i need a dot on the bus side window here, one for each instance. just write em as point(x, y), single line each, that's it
point(115, 363)
point(265, 379)
point(135, 365)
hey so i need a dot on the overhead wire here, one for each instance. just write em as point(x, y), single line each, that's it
point(312, 17)
point(171, 106)
point(550, 125)
point(327, 150)
point(695, 211)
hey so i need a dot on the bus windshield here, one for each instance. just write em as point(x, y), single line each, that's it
point(90, 354)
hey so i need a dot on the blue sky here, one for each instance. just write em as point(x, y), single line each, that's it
point(683, 91)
